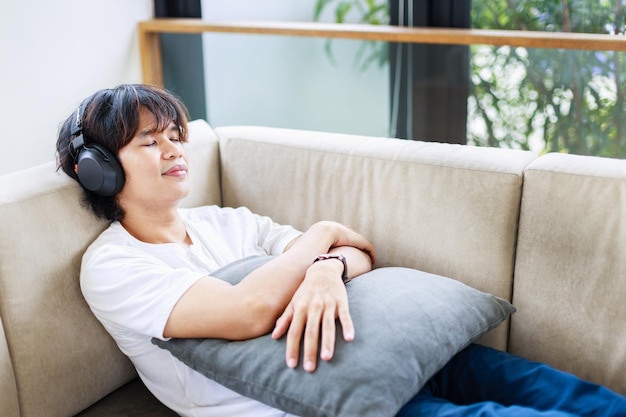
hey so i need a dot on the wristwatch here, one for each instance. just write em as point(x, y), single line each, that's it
point(324, 256)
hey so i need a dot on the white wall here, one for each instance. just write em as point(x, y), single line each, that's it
point(55, 53)
point(52, 55)
point(289, 81)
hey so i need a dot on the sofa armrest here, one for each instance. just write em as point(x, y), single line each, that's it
point(8, 390)
point(62, 358)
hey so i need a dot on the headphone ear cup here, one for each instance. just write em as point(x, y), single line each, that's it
point(99, 171)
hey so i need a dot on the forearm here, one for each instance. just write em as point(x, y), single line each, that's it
point(359, 262)
point(279, 278)
point(250, 308)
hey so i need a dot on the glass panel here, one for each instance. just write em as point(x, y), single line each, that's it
point(296, 82)
point(526, 98)
point(548, 100)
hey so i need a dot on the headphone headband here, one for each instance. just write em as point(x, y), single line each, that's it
point(77, 127)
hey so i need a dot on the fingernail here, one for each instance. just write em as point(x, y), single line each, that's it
point(309, 366)
point(325, 354)
point(291, 362)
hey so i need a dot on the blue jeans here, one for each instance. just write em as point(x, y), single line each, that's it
point(481, 381)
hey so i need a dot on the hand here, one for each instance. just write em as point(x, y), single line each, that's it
point(320, 299)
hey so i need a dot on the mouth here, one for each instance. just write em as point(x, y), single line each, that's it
point(176, 171)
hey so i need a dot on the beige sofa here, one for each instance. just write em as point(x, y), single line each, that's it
point(548, 233)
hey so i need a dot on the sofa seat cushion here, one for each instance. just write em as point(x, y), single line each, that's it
point(131, 400)
point(408, 325)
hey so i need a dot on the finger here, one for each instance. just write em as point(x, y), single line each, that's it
point(328, 335)
point(294, 336)
point(282, 324)
point(311, 337)
point(347, 325)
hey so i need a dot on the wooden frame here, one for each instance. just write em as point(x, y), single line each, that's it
point(151, 51)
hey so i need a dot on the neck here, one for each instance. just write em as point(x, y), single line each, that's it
point(156, 227)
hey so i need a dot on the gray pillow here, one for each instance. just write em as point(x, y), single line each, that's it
point(408, 325)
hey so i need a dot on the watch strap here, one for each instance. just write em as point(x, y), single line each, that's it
point(324, 256)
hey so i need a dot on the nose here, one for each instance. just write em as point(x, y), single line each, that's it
point(171, 149)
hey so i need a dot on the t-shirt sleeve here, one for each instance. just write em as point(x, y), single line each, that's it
point(130, 290)
point(272, 237)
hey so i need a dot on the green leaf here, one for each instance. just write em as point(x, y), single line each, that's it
point(341, 11)
point(320, 5)
point(372, 15)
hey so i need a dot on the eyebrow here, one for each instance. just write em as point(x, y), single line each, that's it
point(173, 127)
point(147, 132)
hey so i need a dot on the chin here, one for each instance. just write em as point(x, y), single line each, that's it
point(184, 192)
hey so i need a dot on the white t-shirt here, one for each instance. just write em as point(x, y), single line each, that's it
point(132, 287)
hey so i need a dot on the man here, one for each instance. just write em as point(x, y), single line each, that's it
point(149, 275)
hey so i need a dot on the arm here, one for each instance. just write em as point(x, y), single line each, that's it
point(250, 308)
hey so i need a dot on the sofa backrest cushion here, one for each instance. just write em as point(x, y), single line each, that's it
point(570, 277)
point(446, 209)
point(62, 358)
point(204, 161)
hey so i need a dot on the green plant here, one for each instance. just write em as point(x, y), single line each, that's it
point(373, 12)
point(369, 11)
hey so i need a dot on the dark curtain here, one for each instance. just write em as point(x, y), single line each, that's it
point(429, 83)
point(177, 8)
point(183, 65)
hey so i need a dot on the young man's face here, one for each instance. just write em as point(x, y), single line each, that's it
point(155, 165)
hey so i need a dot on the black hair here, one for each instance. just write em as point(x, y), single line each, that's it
point(110, 117)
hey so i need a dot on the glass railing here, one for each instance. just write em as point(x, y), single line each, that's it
point(540, 90)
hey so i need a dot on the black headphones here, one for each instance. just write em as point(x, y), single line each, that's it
point(96, 167)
